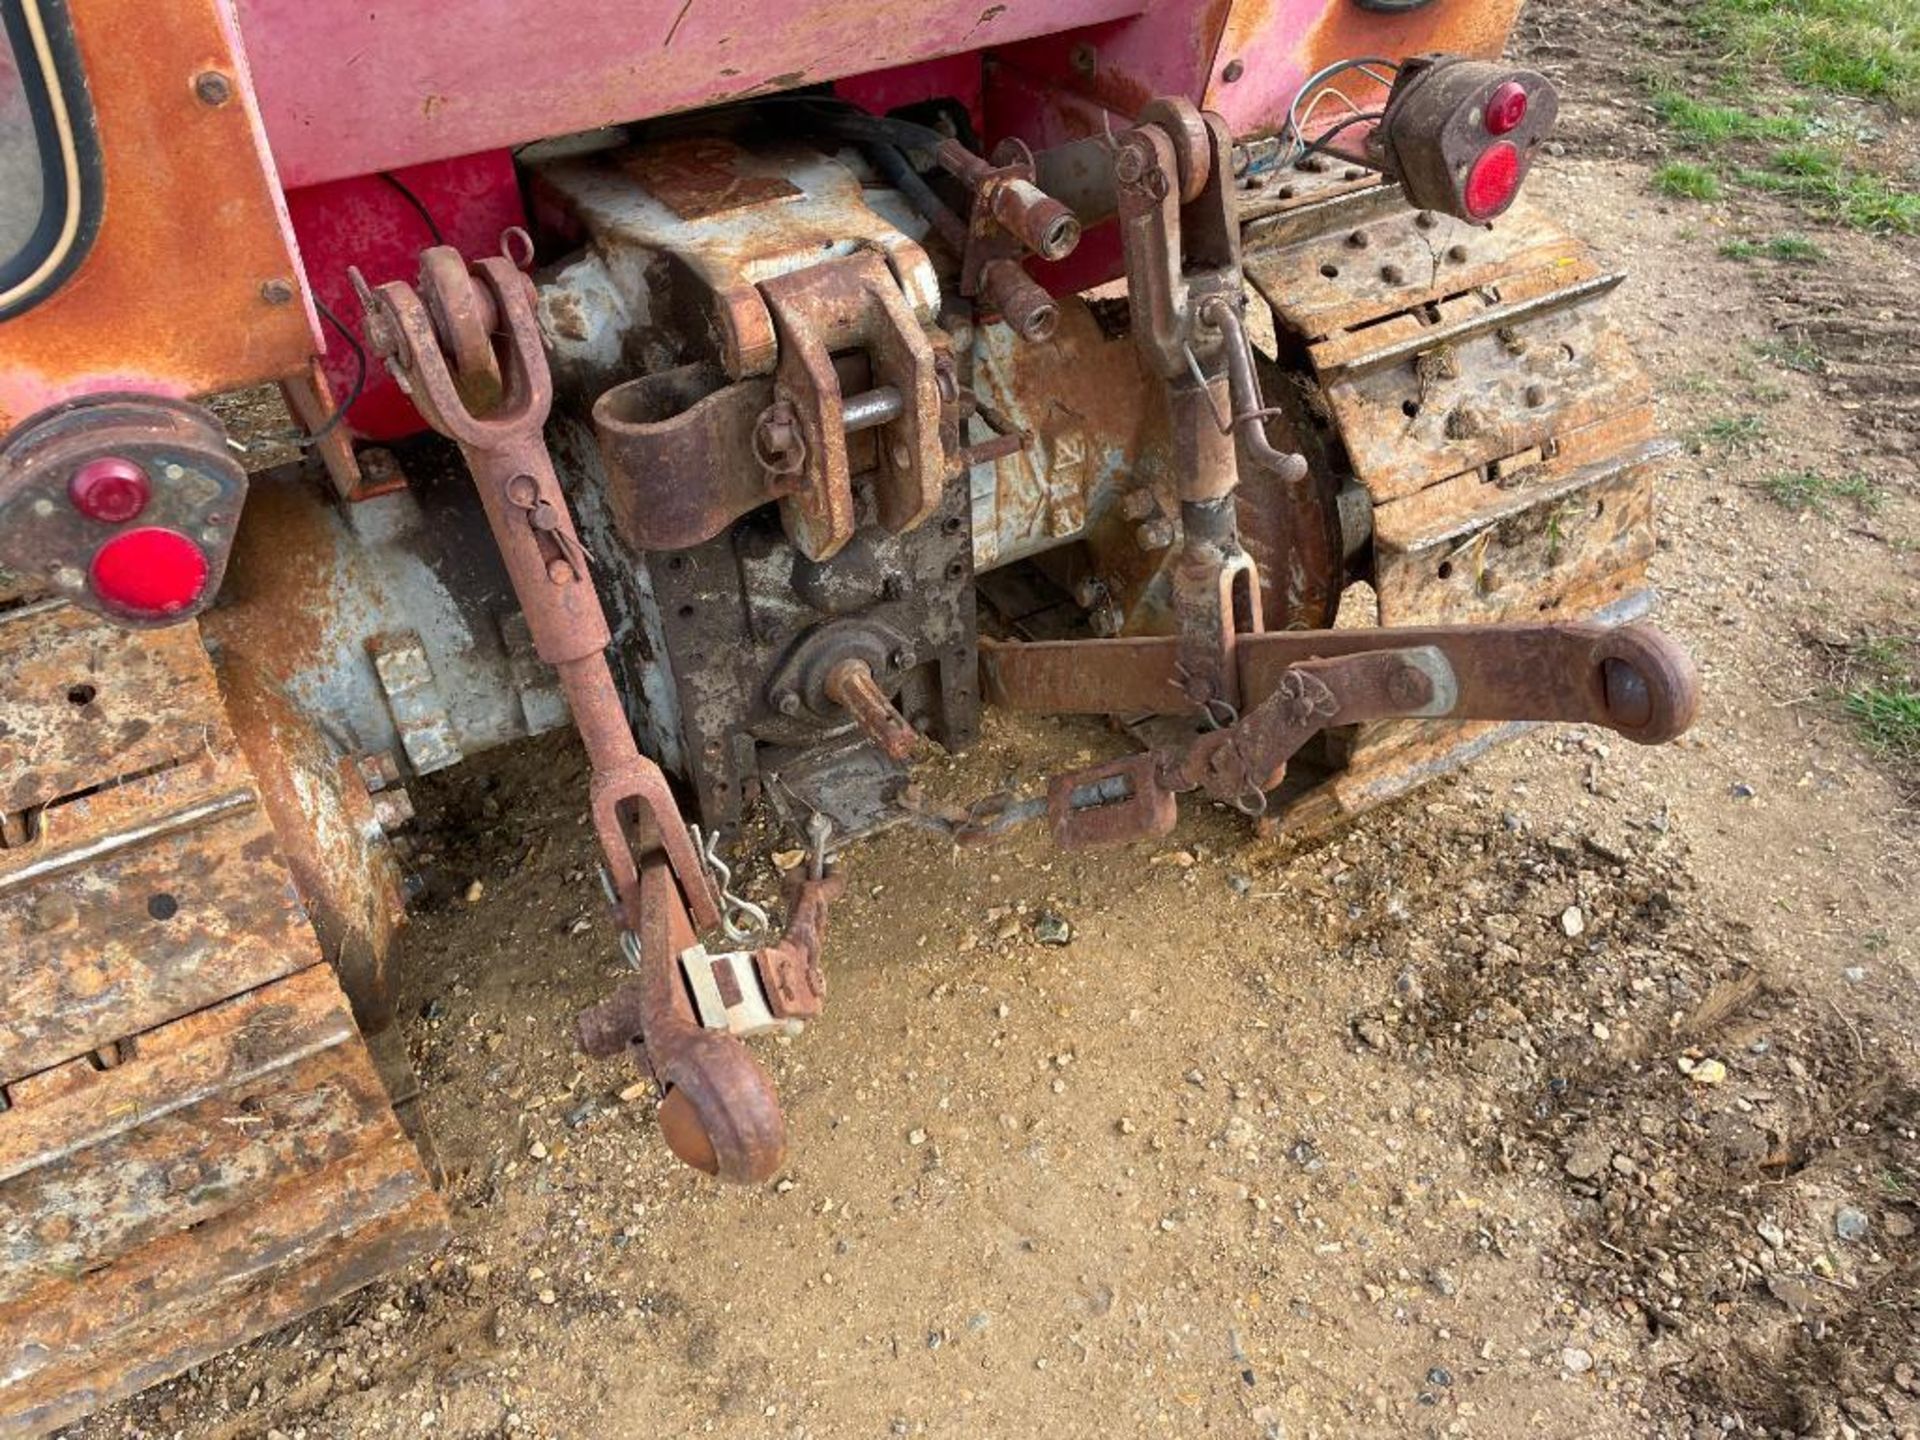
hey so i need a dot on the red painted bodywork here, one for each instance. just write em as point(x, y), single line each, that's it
point(352, 87)
point(369, 222)
point(439, 93)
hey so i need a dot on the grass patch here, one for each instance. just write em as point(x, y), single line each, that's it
point(1702, 124)
point(1789, 249)
point(1793, 354)
point(1795, 250)
point(1889, 718)
point(1803, 490)
point(1685, 181)
point(1856, 198)
point(1735, 434)
point(1868, 48)
point(1875, 678)
point(1822, 181)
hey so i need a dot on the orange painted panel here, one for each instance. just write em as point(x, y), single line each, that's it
point(192, 284)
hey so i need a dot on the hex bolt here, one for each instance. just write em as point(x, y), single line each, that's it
point(212, 88)
point(1130, 164)
point(1139, 504)
point(392, 809)
point(1089, 592)
point(787, 702)
point(904, 658)
point(778, 442)
point(1155, 534)
point(378, 769)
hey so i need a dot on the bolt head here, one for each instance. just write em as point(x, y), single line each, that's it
point(1407, 688)
point(210, 87)
point(277, 291)
point(1155, 534)
point(1130, 164)
point(1235, 69)
point(787, 702)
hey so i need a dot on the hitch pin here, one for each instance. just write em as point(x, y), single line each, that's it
point(730, 903)
point(819, 831)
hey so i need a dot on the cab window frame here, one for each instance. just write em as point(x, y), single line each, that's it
point(60, 111)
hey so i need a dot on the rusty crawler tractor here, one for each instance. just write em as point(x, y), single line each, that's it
point(659, 375)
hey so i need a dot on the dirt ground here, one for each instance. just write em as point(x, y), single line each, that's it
point(1574, 1096)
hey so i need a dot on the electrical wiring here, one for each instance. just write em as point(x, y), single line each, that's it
point(1317, 87)
point(1325, 137)
point(406, 193)
point(334, 421)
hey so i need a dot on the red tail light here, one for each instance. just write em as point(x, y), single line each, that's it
point(1459, 134)
point(110, 490)
point(1492, 181)
point(1506, 107)
point(125, 504)
point(150, 573)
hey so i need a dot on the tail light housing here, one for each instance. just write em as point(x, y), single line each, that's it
point(124, 504)
point(1459, 135)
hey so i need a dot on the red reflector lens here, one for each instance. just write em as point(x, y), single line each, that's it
point(1506, 108)
point(1492, 181)
point(110, 490)
point(150, 573)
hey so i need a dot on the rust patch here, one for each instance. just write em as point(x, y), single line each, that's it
point(277, 606)
point(85, 703)
point(701, 176)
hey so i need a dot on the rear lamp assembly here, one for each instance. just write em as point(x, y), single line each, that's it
point(122, 504)
point(1460, 134)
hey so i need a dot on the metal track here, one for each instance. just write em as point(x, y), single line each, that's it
point(195, 1145)
point(1467, 380)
